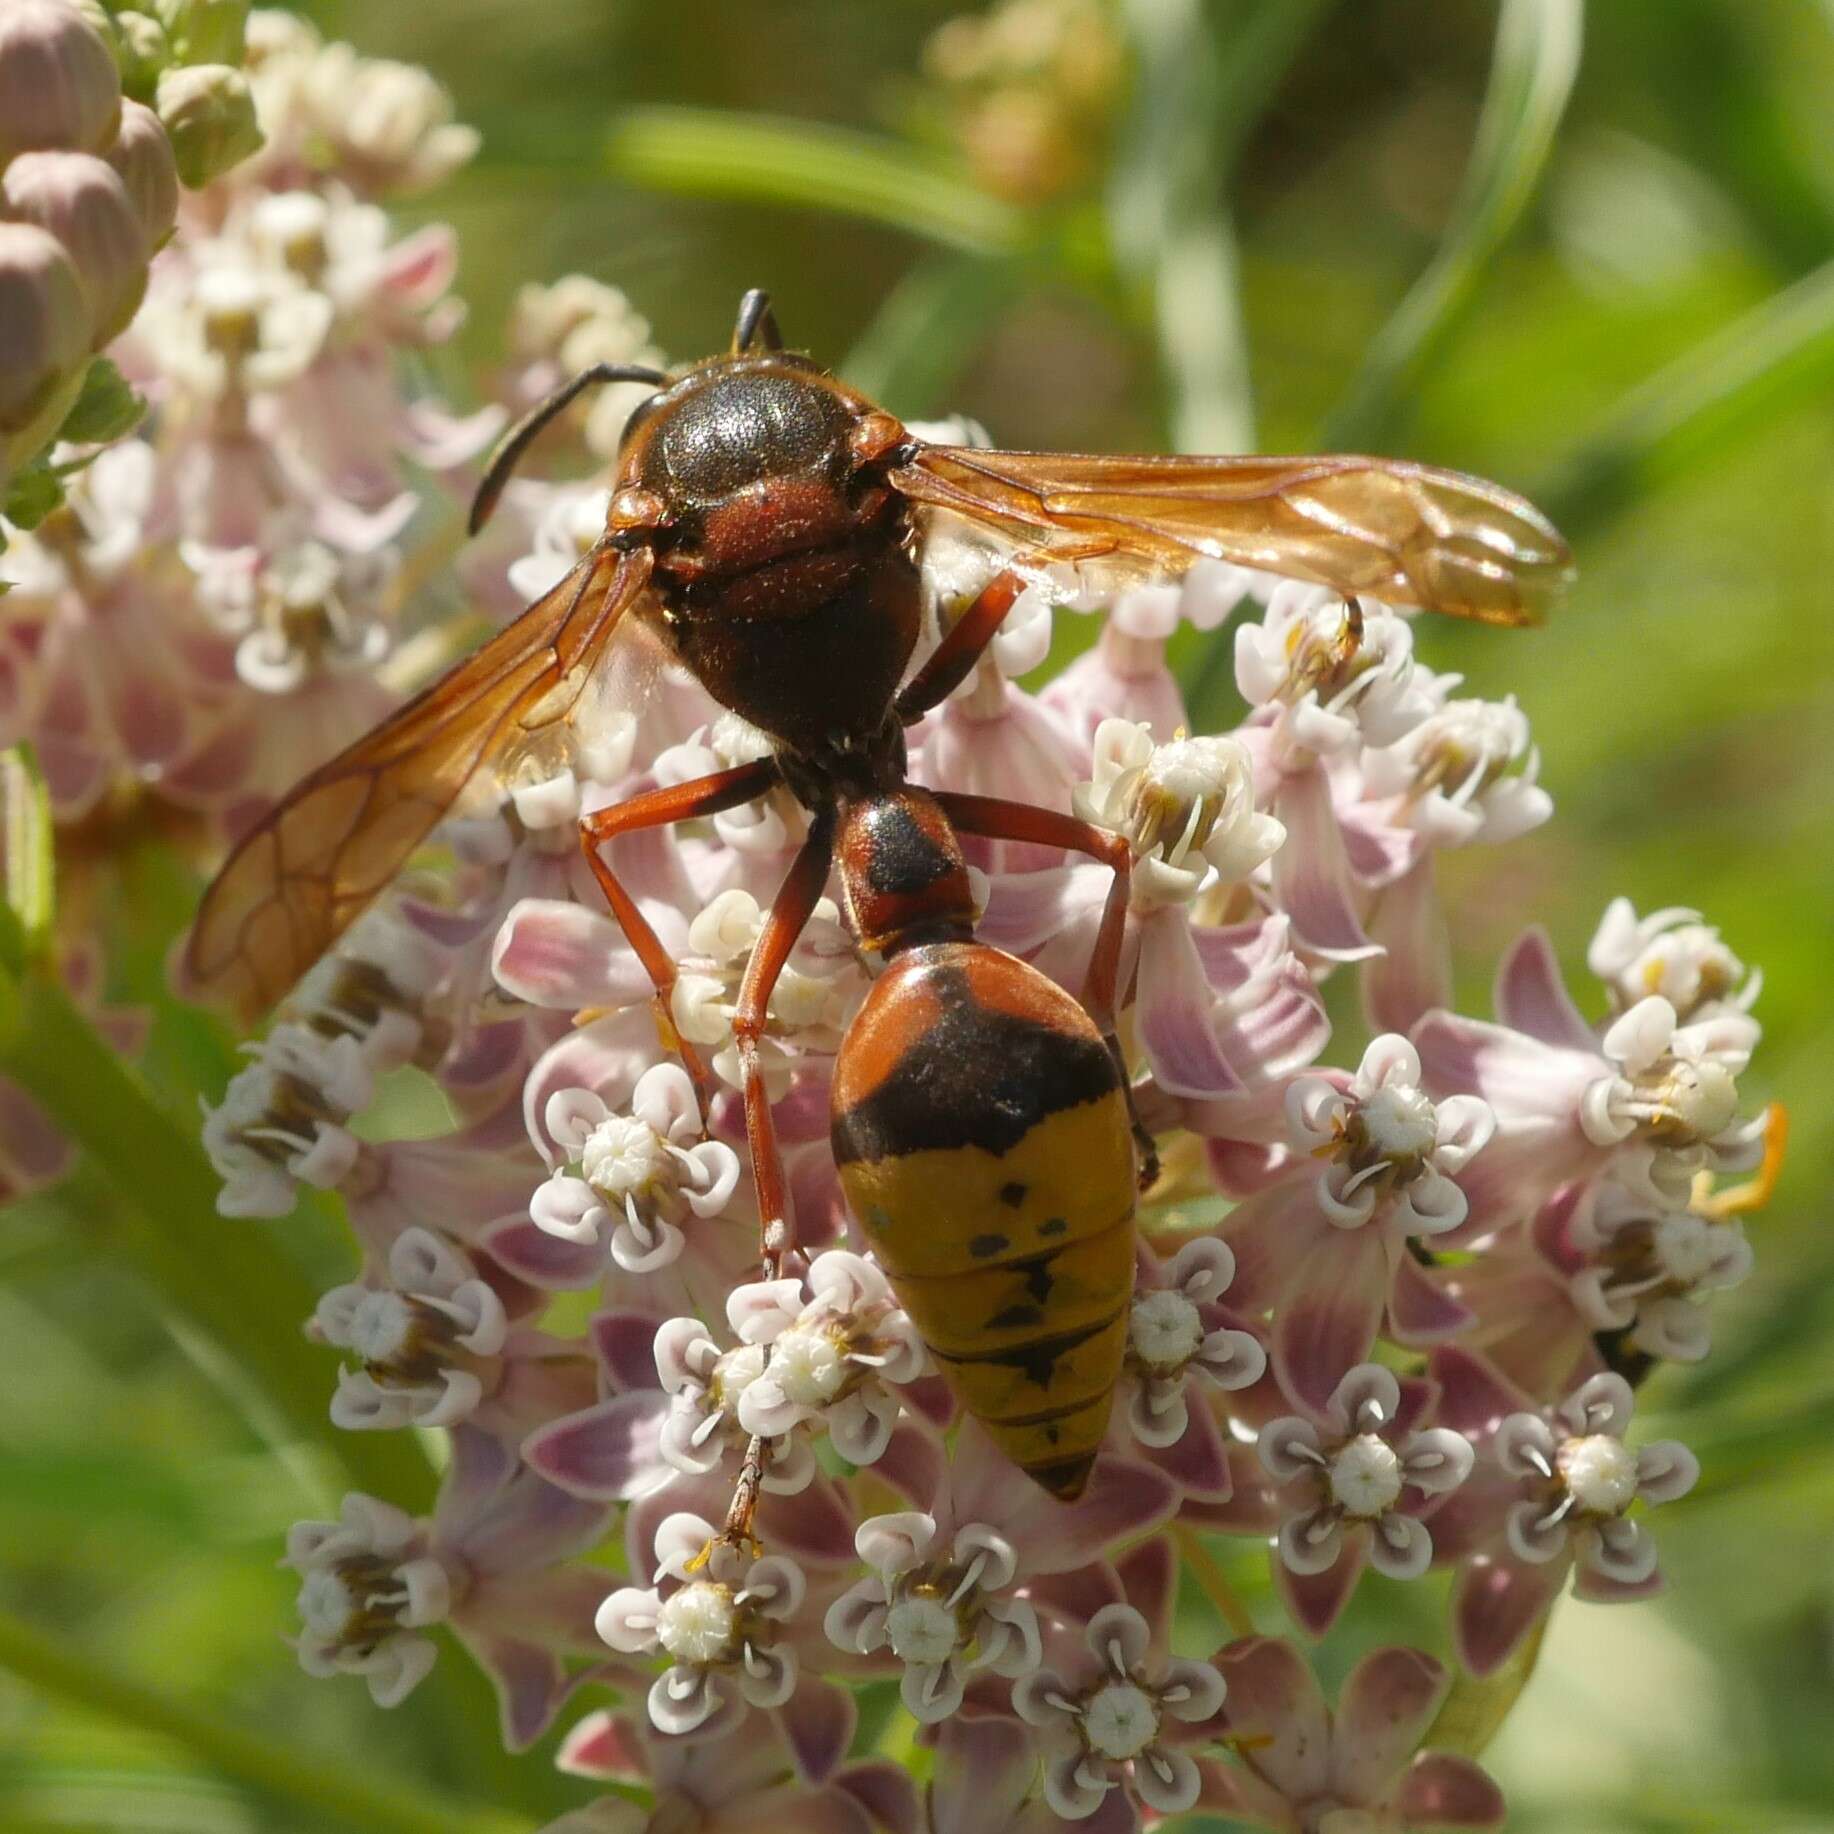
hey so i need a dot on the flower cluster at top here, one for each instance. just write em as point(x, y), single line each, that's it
point(1392, 1302)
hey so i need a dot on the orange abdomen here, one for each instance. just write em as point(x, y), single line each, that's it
point(984, 1145)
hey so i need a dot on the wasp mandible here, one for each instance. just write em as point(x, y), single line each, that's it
point(769, 524)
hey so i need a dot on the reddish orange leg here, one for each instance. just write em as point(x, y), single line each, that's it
point(995, 819)
point(789, 915)
point(958, 652)
point(657, 809)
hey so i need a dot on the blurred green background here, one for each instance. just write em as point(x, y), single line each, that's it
point(1277, 233)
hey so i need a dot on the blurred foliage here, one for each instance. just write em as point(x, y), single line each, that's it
point(1626, 308)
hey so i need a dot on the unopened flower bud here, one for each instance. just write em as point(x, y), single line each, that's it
point(205, 31)
point(142, 50)
point(210, 116)
point(142, 155)
point(81, 200)
point(44, 337)
point(58, 82)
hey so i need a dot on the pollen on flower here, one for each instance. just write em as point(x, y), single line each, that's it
point(1366, 1476)
point(1600, 1473)
point(810, 1363)
point(1165, 1330)
point(921, 1628)
point(697, 1623)
point(623, 1155)
point(1120, 1721)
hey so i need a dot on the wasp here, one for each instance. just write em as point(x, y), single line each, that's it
point(769, 526)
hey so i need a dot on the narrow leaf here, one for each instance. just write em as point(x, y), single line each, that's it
point(331, 1789)
point(25, 858)
point(1531, 77)
point(1779, 354)
point(918, 341)
point(715, 153)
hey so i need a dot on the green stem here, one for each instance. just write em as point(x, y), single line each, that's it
point(1778, 354)
point(1531, 77)
point(704, 152)
point(328, 1785)
point(226, 1279)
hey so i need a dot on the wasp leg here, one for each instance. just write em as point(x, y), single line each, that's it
point(993, 818)
point(958, 652)
point(789, 915)
point(657, 809)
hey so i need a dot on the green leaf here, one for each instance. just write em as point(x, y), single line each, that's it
point(225, 1281)
point(106, 409)
point(1776, 356)
point(325, 1785)
point(700, 152)
point(916, 344)
point(32, 493)
point(25, 859)
point(1531, 78)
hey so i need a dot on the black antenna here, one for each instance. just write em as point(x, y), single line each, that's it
point(757, 323)
point(518, 439)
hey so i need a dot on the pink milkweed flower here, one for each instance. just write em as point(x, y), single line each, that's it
point(1123, 674)
point(436, 1346)
point(1652, 1100)
point(1550, 1498)
point(1328, 1246)
point(1112, 1716)
point(493, 1562)
point(1214, 1005)
point(1302, 1769)
point(1464, 775)
point(1673, 953)
point(946, 1592)
point(751, 1788)
point(642, 1173)
point(1345, 1487)
point(1325, 684)
point(1178, 1335)
point(717, 1623)
point(837, 1357)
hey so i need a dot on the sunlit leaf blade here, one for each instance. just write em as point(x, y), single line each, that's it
point(1531, 77)
point(334, 1791)
point(714, 153)
point(25, 858)
point(225, 1279)
point(1776, 355)
point(927, 329)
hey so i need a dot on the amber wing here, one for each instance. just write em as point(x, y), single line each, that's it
point(297, 880)
point(1404, 533)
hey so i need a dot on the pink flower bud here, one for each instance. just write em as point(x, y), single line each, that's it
point(81, 200)
point(143, 156)
point(58, 83)
point(209, 115)
point(44, 336)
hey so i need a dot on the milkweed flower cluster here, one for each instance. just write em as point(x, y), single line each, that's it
point(1391, 1306)
point(1394, 1293)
